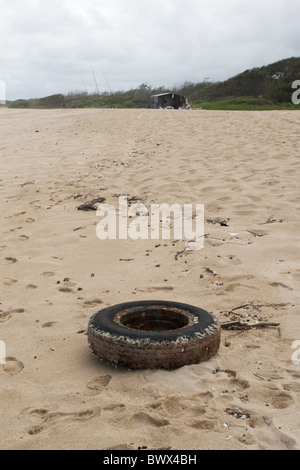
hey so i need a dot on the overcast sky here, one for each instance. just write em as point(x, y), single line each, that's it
point(54, 46)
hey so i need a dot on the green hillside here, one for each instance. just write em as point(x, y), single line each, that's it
point(270, 85)
point(267, 87)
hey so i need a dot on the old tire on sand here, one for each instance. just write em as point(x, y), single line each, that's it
point(153, 334)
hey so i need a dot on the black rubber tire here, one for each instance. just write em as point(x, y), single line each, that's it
point(112, 340)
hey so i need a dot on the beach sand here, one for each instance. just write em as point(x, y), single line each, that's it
point(56, 273)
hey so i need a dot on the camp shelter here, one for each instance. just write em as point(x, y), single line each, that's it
point(166, 100)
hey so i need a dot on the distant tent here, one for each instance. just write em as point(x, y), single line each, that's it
point(167, 100)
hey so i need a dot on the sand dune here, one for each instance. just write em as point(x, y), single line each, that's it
point(55, 273)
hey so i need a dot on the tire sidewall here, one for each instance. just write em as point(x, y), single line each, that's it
point(103, 321)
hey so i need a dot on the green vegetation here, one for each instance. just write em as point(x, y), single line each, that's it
point(244, 103)
point(135, 98)
point(264, 88)
point(268, 87)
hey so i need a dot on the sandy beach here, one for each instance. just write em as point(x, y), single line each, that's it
point(56, 273)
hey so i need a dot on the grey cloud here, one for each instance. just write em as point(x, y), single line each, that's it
point(49, 46)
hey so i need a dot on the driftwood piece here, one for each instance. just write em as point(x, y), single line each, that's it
point(257, 234)
point(90, 206)
point(253, 306)
point(179, 253)
point(246, 325)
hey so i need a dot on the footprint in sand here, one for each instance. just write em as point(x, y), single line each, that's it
point(12, 366)
point(237, 285)
point(10, 259)
point(97, 385)
point(240, 384)
point(92, 303)
point(292, 387)
point(173, 406)
point(67, 285)
point(5, 315)
point(23, 238)
point(19, 213)
point(268, 430)
point(31, 286)
point(193, 413)
point(65, 289)
point(48, 324)
point(280, 284)
point(204, 424)
point(29, 220)
point(48, 274)
point(44, 418)
point(114, 406)
point(8, 281)
point(281, 400)
point(142, 418)
point(234, 260)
